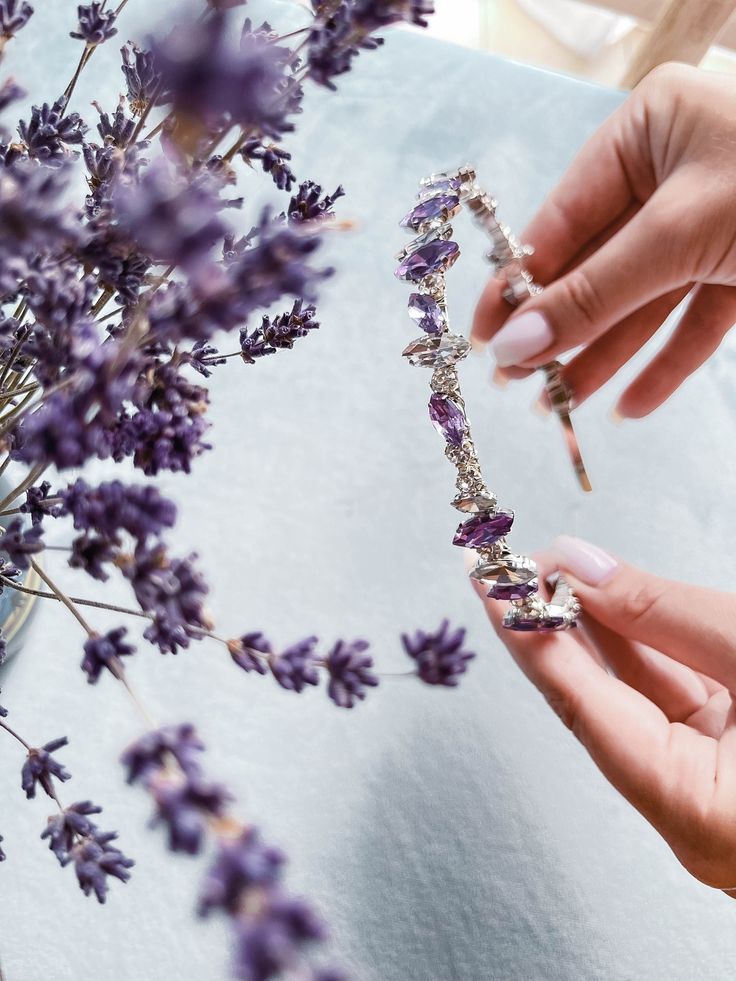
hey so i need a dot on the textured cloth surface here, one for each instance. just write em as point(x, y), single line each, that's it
point(448, 836)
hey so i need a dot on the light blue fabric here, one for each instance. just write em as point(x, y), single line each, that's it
point(448, 836)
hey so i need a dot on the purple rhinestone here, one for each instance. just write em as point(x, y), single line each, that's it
point(435, 257)
point(447, 418)
point(551, 622)
point(426, 313)
point(512, 590)
point(483, 529)
point(436, 207)
point(441, 183)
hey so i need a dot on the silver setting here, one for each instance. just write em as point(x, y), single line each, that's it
point(440, 230)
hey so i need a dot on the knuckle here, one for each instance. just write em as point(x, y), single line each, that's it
point(642, 603)
point(669, 75)
point(583, 298)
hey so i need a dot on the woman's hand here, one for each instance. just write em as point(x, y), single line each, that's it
point(645, 215)
point(645, 684)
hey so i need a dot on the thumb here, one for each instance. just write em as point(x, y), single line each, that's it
point(642, 261)
point(691, 624)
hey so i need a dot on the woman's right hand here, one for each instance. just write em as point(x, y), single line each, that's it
point(645, 215)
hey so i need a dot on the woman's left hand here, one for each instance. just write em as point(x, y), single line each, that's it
point(646, 685)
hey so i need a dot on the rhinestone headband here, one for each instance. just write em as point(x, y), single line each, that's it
point(424, 263)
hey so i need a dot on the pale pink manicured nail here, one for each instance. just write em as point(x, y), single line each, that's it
point(521, 338)
point(586, 562)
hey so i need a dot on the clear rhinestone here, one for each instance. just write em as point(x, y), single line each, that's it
point(475, 503)
point(434, 352)
point(441, 231)
point(445, 381)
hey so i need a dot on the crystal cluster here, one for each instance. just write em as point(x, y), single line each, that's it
point(423, 263)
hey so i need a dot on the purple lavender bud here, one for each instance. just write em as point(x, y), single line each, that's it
point(171, 219)
point(277, 332)
point(251, 652)
point(142, 77)
point(59, 433)
point(94, 860)
point(307, 205)
point(350, 670)
point(14, 14)
point(184, 807)
point(49, 132)
point(40, 768)
point(203, 357)
point(19, 542)
point(173, 591)
point(104, 652)
point(112, 507)
point(95, 24)
point(37, 503)
point(268, 943)
point(295, 667)
point(439, 656)
point(148, 754)
point(117, 131)
point(273, 161)
point(240, 865)
point(206, 74)
point(91, 553)
point(63, 829)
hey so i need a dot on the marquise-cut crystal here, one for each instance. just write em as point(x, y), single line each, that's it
point(513, 577)
point(433, 352)
point(428, 259)
point(475, 503)
point(437, 206)
point(440, 183)
point(426, 313)
point(483, 529)
point(447, 418)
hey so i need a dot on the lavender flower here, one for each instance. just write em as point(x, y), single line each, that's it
point(63, 829)
point(142, 78)
point(269, 943)
point(251, 652)
point(10, 92)
point(20, 543)
point(279, 332)
point(14, 14)
point(350, 670)
point(95, 24)
point(207, 75)
point(295, 667)
point(439, 656)
point(58, 433)
point(112, 507)
point(171, 219)
point(95, 859)
point(40, 768)
point(50, 132)
point(104, 652)
point(240, 865)
point(91, 553)
point(38, 505)
point(184, 806)
point(149, 754)
point(273, 161)
point(308, 204)
point(173, 591)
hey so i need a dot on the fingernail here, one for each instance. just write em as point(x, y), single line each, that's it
point(616, 416)
point(499, 377)
point(521, 339)
point(542, 406)
point(586, 562)
point(477, 346)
